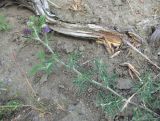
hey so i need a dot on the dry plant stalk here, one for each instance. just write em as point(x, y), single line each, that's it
point(88, 31)
point(131, 70)
point(143, 55)
point(24, 75)
point(115, 54)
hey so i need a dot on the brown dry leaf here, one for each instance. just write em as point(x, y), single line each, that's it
point(135, 39)
point(111, 40)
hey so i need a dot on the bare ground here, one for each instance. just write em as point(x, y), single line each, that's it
point(57, 92)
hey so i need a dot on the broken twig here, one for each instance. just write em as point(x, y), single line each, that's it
point(143, 55)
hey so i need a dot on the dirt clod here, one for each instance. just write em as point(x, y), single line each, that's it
point(124, 84)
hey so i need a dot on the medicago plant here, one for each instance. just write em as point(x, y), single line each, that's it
point(4, 26)
point(113, 102)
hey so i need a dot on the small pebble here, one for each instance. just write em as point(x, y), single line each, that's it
point(124, 84)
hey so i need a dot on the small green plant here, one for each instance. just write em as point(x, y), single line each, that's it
point(140, 115)
point(8, 109)
point(113, 102)
point(82, 82)
point(108, 80)
point(110, 103)
point(73, 60)
point(46, 64)
point(2, 86)
point(4, 26)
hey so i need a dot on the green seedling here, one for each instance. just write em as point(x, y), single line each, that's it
point(4, 26)
point(45, 65)
point(2, 87)
point(8, 109)
point(111, 104)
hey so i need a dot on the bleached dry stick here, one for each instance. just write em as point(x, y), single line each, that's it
point(88, 31)
point(143, 55)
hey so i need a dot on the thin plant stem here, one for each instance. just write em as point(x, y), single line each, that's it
point(108, 88)
point(24, 74)
point(149, 60)
point(21, 106)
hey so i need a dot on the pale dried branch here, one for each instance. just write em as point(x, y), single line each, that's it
point(132, 70)
point(24, 75)
point(143, 55)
